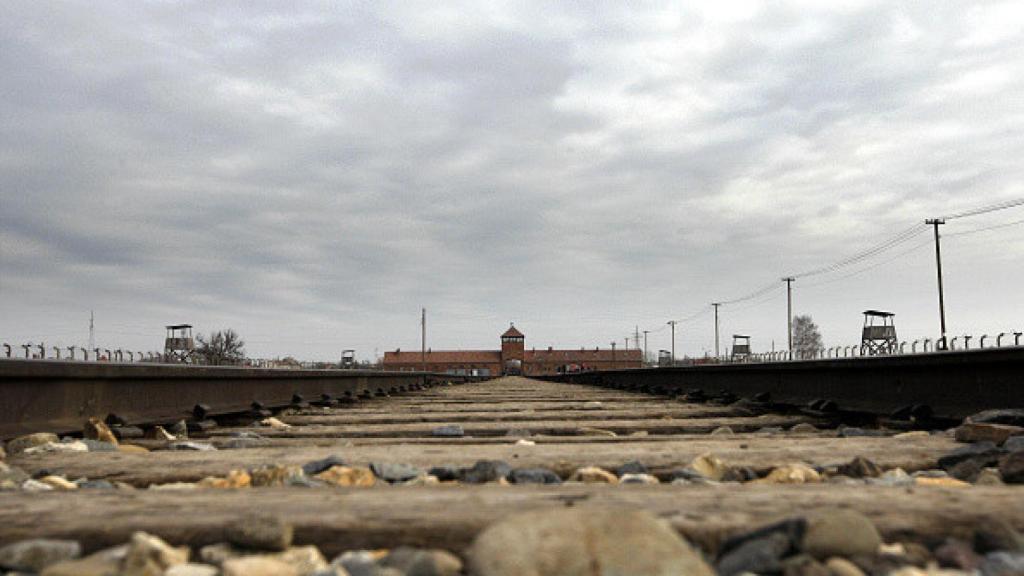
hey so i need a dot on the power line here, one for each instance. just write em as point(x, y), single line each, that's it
point(871, 267)
point(985, 228)
point(702, 312)
point(767, 296)
point(757, 293)
point(986, 209)
point(902, 237)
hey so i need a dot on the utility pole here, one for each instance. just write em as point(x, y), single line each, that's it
point(934, 222)
point(645, 345)
point(627, 344)
point(636, 336)
point(423, 339)
point(716, 305)
point(672, 323)
point(789, 310)
point(92, 330)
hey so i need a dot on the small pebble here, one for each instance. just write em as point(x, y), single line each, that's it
point(196, 446)
point(795, 473)
point(96, 429)
point(594, 475)
point(709, 466)
point(416, 562)
point(348, 476)
point(842, 567)
point(191, 569)
point(274, 423)
point(257, 566)
point(59, 483)
point(449, 431)
point(638, 479)
point(912, 434)
point(49, 447)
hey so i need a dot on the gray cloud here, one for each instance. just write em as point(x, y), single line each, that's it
point(311, 175)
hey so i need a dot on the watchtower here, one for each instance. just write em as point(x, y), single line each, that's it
point(513, 351)
point(879, 334)
point(179, 345)
point(740, 346)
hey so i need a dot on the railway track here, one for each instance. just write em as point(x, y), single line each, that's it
point(448, 465)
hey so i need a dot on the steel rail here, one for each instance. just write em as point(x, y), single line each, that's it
point(952, 384)
point(58, 396)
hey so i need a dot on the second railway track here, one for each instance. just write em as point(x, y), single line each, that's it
point(445, 439)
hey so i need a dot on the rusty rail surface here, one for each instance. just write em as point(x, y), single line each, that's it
point(947, 384)
point(56, 396)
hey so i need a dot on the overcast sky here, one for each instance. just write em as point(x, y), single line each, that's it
point(312, 174)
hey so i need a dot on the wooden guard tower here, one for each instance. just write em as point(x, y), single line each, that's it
point(879, 335)
point(179, 345)
point(740, 346)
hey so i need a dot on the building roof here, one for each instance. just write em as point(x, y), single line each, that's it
point(583, 356)
point(575, 356)
point(446, 356)
point(512, 332)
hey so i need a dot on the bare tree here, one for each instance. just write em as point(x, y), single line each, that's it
point(222, 347)
point(806, 338)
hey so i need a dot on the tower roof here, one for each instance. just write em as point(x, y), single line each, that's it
point(512, 332)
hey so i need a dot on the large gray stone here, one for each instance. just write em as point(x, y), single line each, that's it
point(981, 453)
point(1003, 564)
point(1014, 443)
point(584, 541)
point(1010, 416)
point(759, 555)
point(840, 533)
point(149, 554)
point(1011, 468)
point(317, 466)
point(391, 472)
point(415, 562)
point(34, 555)
point(22, 443)
point(485, 471)
point(11, 477)
point(260, 533)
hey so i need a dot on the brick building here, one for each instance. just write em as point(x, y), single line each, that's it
point(512, 358)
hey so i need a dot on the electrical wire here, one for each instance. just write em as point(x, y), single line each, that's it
point(984, 229)
point(871, 267)
point(768, 296)
point(756, 294)
point(986, 209)
point(902, 237)
point(704, 310)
